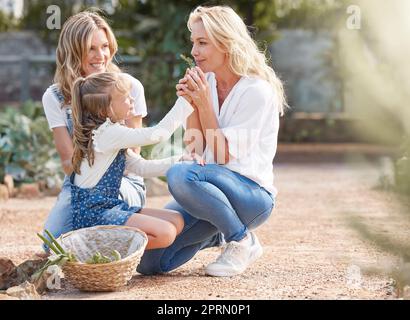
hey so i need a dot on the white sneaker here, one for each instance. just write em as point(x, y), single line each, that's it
point(236, 257)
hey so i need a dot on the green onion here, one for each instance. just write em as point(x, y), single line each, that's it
point(59, 247)
point(49, 244)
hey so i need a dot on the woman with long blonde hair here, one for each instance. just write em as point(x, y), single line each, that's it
point(86, 46)
point(237, 99)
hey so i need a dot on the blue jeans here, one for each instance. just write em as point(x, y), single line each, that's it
point(60, 218)
point(213, 201)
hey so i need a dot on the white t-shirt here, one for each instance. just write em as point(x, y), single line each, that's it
point(249, 119)
point(110, 138)
point(56, 116)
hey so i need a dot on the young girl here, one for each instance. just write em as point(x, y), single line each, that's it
point(101, 103)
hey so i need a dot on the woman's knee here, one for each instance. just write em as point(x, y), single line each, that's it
point(261, 218)
point(179, 177)
point(150, 262)
point(176, 172)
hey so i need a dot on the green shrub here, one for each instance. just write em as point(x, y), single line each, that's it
point(27, 150)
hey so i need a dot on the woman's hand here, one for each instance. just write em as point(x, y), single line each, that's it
point(201, 93)
point(182, 83)
point(193, 157)
point(181, 93)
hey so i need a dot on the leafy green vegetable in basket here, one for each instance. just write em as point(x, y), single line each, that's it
point(116, 255)
point(98, 258)
point(61, 256)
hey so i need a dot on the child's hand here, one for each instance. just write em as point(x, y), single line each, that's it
point(185, 78)
point(181, 93)
point(193, 157)
point(201, 96)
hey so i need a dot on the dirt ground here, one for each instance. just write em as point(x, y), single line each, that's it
point(310, 252)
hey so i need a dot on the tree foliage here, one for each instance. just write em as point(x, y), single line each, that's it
point(156, 31)
point(7, 23)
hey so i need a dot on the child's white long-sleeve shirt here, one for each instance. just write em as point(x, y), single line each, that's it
point(111, 137)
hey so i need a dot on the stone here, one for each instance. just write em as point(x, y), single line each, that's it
point(9, 183)
point(29, 191)
point(10, 275)
point(25, 291)
point(7, 297)
point(4, 193)
point(30, 267)
point(7, 268)
point(40, 283)
point(406, 293)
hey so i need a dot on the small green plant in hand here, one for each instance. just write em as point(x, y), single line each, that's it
point(188, 60)
point(191, 65)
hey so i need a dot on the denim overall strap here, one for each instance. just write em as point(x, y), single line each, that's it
point(68, 112)
point(113, 176)
point(110, 177)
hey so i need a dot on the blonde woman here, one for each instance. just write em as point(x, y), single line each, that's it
point(86, 46)
point(237, 100)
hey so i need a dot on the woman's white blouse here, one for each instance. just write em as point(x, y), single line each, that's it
point(249, 119)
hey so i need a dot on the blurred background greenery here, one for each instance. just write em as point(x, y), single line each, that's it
point(345, 68)
point(344, 82)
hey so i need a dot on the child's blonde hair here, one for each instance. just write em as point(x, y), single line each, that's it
point(91, 105)
point(229, 34)
point(74, 43)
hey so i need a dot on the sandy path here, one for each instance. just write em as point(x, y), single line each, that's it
point(309, 250)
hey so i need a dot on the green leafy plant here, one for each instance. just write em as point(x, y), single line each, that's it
point(98, 258)
point(188, 60)
point(61, 256)
point(27, 150)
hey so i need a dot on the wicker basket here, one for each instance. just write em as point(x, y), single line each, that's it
point(84, 243)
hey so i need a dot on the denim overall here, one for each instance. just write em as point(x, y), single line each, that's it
point(57, 93)
point(100, 205)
